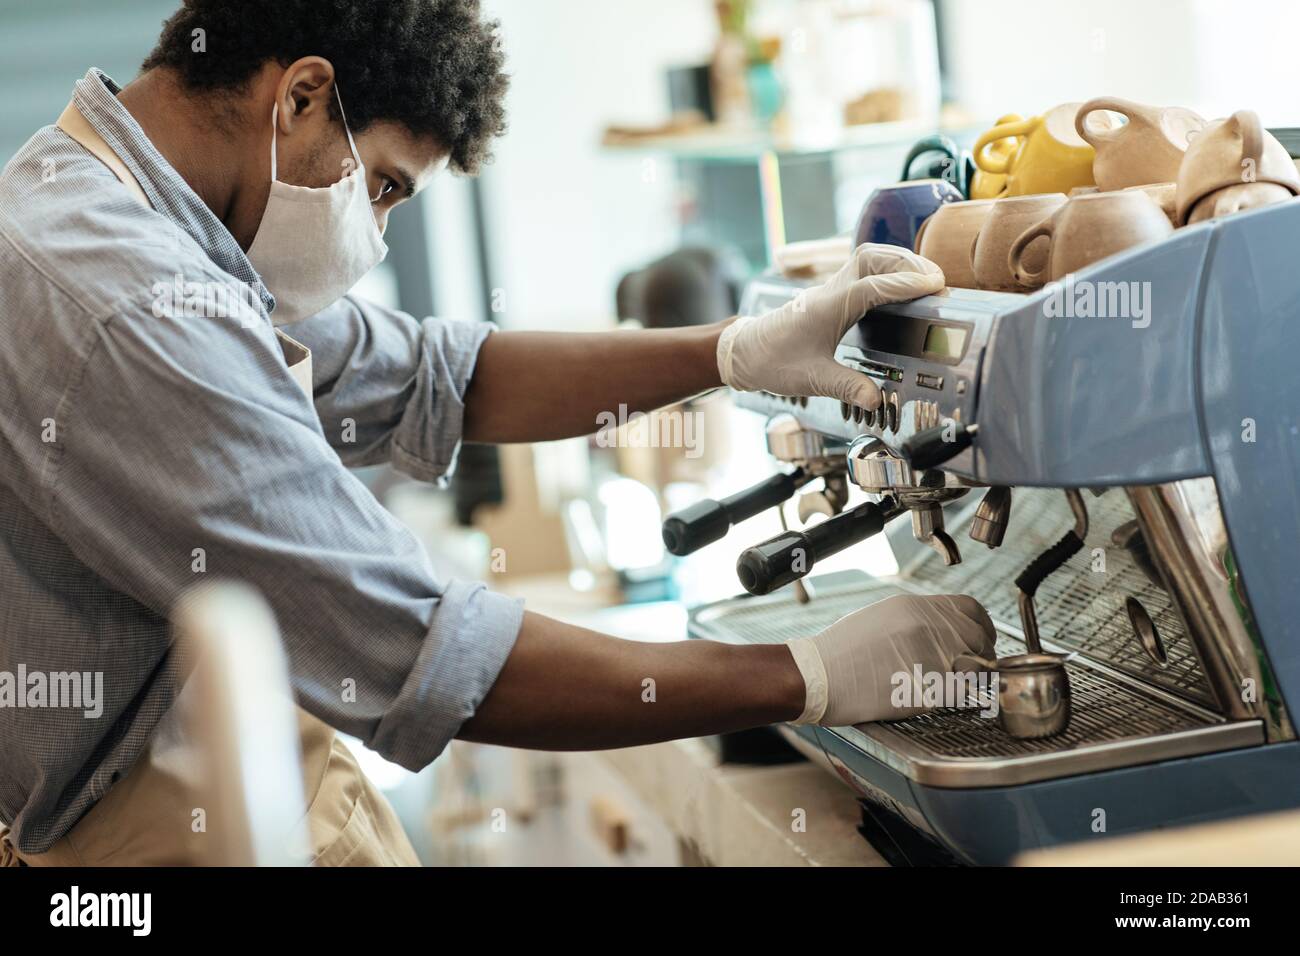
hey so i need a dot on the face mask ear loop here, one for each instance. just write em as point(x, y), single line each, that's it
point(356, 157)
point(275, 128)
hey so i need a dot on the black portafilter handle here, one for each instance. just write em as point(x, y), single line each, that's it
point(934, 446)
point(792, 554)
point(704, 522)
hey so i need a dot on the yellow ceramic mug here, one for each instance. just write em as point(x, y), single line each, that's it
point(1052, 157)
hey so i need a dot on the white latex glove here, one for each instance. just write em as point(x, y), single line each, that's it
point(791, 351)
point(848, 669)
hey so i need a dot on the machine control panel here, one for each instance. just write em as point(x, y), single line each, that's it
point(924, 356)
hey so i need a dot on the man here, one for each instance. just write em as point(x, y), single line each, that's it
point(151, 439)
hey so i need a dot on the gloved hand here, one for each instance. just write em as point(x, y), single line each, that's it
point(848, 669)
point(791, 351)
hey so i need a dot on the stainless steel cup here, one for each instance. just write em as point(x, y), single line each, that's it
point(1033, 693)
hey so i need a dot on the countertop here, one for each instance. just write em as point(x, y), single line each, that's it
point(735, 815)
point(792, 814)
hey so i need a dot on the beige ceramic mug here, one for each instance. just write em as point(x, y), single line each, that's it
point(1232, 152)
point(1008, 219)
point(1148, 148)
point(1085, 230)
point(946, 237)
point(1164, 195)
point(1238, 198)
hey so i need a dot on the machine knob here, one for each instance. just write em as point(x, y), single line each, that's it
point(704, 522)
point(792, 554)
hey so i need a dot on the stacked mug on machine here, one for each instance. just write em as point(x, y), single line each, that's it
point(1084, 181)
point(1233, 164)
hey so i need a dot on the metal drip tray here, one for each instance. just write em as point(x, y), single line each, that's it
point(1081, 606)
point(1116, 722)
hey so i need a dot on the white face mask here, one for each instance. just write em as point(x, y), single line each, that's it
point(314, 244)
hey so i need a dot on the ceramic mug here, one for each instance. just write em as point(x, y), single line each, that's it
point(894, 213)
point(1232, 152)
point(954, 166)
point(1164, 195)
point(946, 237)
point(1148, 148)
point(1052, 158)
point(1008, 219)
point(986, 185)
point(1085, 230)
point(1238, 198)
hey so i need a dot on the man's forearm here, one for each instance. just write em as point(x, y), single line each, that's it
point(567, 688)
point(541, 386)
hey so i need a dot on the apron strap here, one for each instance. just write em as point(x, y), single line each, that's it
point(75, 125)
point(8, 855)
point(296, 355)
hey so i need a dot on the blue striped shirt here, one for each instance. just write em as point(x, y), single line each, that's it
point(144, 446)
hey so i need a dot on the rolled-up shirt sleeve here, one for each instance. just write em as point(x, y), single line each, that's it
point(390, 388)
point(199, 458)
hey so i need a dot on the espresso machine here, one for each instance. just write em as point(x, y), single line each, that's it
point(1121, 492)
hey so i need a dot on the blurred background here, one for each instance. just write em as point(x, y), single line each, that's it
point(659, 153)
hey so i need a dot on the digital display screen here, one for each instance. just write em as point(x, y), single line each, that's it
point(945, 340)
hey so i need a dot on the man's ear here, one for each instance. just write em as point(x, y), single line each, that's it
point(304, 91)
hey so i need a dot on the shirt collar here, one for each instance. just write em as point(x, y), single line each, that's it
point(95, 96)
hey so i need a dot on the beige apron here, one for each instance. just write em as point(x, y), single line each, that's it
point(145, 819)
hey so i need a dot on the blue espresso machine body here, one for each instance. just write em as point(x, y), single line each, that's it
point(1199, 377)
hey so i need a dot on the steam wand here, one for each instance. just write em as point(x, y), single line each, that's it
point(1051, 560)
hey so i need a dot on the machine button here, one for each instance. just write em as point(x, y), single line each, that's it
point(870, 418)
point(844, 411)
point(926, 380)
point(857, 415)
point(891, 413)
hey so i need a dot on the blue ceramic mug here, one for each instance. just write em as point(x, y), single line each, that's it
point(894, 213)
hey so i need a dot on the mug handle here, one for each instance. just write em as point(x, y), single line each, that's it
point(1252, 137)
point(1127, 108)
point(937, 143)
point(1017, 251)
point(998, 165)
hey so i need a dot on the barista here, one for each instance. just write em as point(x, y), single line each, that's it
point(150, 443)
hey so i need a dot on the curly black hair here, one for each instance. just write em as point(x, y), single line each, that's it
point(434, 66)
